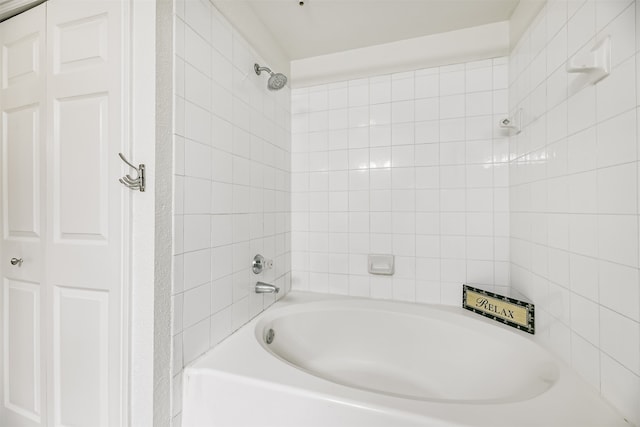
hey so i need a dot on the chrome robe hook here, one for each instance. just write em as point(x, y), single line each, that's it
point(137, 183)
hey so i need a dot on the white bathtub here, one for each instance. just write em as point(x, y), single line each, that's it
point(357, 362)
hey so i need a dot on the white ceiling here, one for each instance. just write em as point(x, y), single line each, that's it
point(328, 26)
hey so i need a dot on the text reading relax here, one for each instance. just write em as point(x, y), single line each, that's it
point(487, 306)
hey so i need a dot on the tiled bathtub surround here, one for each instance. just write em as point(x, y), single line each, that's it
point(232, 184)
point(411, 164)
point(574, 193)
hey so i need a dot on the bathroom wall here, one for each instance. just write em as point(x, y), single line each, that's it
point(232, 184)
point(574, 193)
point(411, 164)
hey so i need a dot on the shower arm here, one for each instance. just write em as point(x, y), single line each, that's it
point(258, 69)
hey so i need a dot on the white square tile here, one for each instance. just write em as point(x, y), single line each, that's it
point(585, 318)
point(197, 126)
point(197, 51)
point(619, 289)
point(358, 93)
point(380, 89)
point(380, 157)
point(451, 82)
point(452, 106)
point(626, 351)
point(197, 268)
point(402, 112)
point(380, 136)
point(359, 158)
point(358, 116)
point(584, 276)
point(359, 137)
point(427, 109)
point(402, 89)
point(622, 29)
point(196, 305)
point(482, 103)
point(617, 239)
point(427, 85)
point(616, 140)
point(585, 359)
point(427, 132)
point(380, 114)
point(319, 99)
point(195, 341)
point(581, 109)
point(620, 386)
point(583, 236)
point(454, 130)
point(339, 118)
point(197, 233)
point(479, 79)
point(402, 156)
point(427, 200)
point(428, 246)
point(617, 189)
point(402, 134)
point(616, 93)
point(581, 26)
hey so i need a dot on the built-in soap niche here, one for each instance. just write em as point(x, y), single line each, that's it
point(381, 264)
point(509, 307)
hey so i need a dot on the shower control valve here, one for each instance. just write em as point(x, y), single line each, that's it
point(260, 263)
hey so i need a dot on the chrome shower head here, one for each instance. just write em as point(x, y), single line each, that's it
point(276, 81)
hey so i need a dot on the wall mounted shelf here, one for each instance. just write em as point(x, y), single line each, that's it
point(595, 65)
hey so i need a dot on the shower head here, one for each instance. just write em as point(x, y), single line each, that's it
point(276, 81)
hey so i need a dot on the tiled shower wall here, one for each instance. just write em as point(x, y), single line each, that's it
point(574, 193)
point(410, 164)
point(232, 184)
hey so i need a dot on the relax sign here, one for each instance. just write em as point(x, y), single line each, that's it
point(510, 311)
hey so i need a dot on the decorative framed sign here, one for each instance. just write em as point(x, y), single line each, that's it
point(510, 311)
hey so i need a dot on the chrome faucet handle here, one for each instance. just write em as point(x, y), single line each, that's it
point(258, 264)
point(261, 263)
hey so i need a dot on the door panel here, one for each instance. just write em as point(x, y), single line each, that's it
point(22, 59)
point(62, 110)
point(21, 309)
point(23, 111)
point(84, 232)
point(21, 146)
point(80, 382)
point(81, 186)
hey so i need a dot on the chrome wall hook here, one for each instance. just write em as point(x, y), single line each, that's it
point(137, 183)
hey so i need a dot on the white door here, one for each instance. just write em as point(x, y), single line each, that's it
point(78, 288)
point(22, 129)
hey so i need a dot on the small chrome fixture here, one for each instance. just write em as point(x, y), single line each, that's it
point(260, 263)
point(128, 181)
point(266, 288)
point(16, 261)
point(276, 81)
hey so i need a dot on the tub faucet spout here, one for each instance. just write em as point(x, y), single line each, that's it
point(266, 288)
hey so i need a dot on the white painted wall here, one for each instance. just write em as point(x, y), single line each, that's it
point(574, 193)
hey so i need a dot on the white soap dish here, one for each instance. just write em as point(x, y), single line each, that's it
point(381, 264)
point(596, 64)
